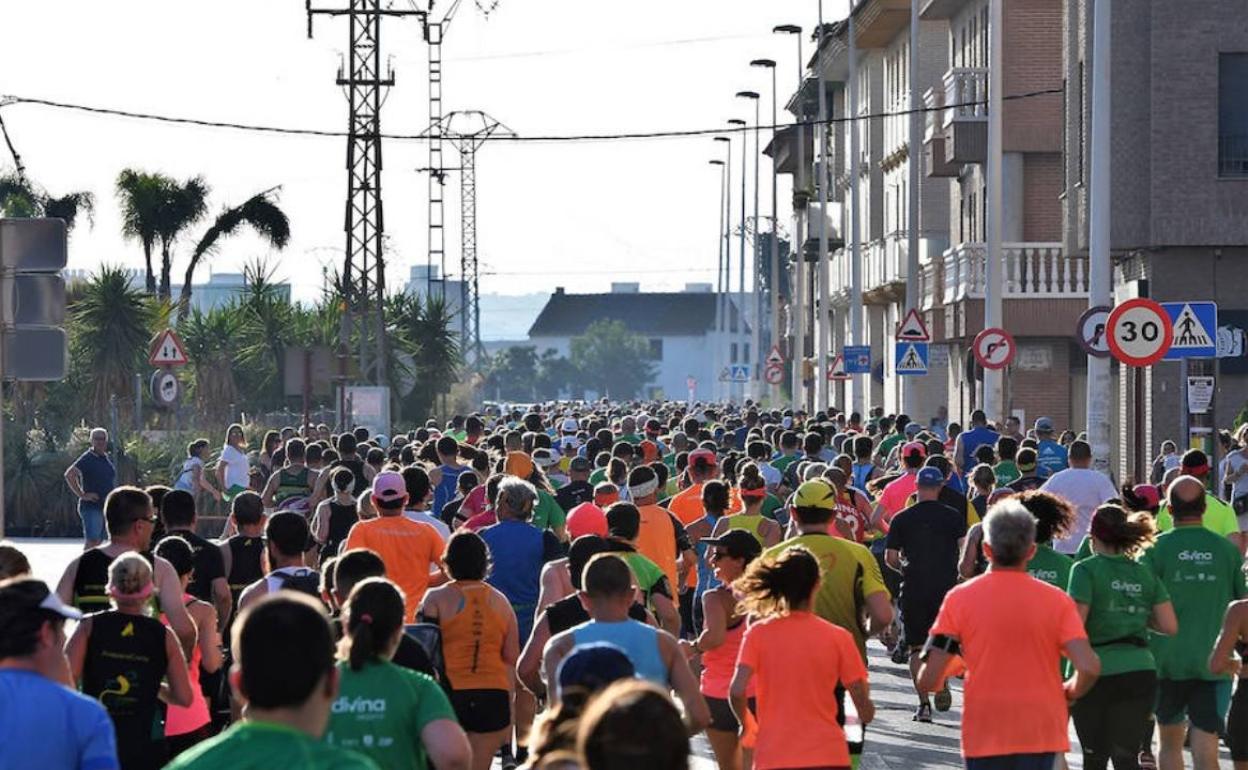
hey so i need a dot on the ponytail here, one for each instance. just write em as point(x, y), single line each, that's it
point(374, 614)
point(780, 585)
point(1126, 532)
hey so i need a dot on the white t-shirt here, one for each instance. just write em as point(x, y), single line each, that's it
point(1235, 462)
point(186, 479)
point(237, 468)
point(424, 517)
point(1086, 490)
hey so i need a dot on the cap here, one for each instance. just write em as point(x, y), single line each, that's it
point(815, 493)
point(914, 448)
point(22, 596)
point(544, 457)
point(518, 464)
point(606, 493)
point(570, 425)
point(913, 429)
point(649, 451)
point(579, 464)
point(704, 457)
point(587, 519)
point(739, 543)
point(1148, 494)
point(593, 666)
point(1044, 425)
point(930, 477)
point(389, 487)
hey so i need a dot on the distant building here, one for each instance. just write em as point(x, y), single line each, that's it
point(680, 327)
point(424, 280)
point(220, 289)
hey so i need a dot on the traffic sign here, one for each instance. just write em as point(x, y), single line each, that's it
point(836, 369)
point(857, 359)
point(165, 388)
point(994, 348)
point(912, 329)
point(735, 373)
point(775, 356)
point(36, 354)
point(1090, 331)
point(911, 358)
point(773, 374)
point(167, 350)
point(1139, 332)
point(32, 299)
point(1195, 330)
point(691, 383)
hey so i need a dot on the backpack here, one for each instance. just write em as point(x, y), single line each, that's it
point(306, 582)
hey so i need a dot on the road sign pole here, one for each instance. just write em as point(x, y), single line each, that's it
point(1099, 265)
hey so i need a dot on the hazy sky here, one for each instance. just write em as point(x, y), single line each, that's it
point(572, 214)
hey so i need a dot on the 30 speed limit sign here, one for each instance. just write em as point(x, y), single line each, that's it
point(1139, 332)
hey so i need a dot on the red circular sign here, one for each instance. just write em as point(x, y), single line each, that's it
point(773, 374)
point(1139, 332)
point(994, 348)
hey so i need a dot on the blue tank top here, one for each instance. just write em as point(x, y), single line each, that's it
point(638, 640)
point(706, 573)
point(862, 474)
point(973, 439)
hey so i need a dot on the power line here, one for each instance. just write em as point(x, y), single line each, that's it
point(519, 138)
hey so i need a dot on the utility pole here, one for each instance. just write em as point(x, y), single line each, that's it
point(739, 336)
point(796, 325)
point(823, 323)
point(913, 159)
point(722, 344)
point(994, 396)
point(859, 382)
point(1100, 266)
point(773, 280)
point(755, 356)
point(716, 352)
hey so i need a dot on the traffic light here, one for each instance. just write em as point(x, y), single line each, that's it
point(32, 299)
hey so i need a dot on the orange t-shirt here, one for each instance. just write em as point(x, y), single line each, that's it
point(686, 506)
point(797, 659)
point(408, 548)
point(1014, 703)
point(657, 542)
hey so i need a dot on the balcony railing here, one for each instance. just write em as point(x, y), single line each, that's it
point(884, 262)
point(931, 277)
point(964, 87)
point(1032, 271)
point(933, 100)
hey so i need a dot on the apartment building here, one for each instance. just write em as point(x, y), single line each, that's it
point(1179, 197)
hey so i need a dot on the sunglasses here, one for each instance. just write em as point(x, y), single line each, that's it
point(717, 555)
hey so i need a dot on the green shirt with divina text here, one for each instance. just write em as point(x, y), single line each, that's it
point(1120, 594)
point(264, 746)
point(1050, 567)
point(1203, 573)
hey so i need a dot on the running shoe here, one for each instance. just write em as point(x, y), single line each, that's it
point(943, 699)
point(924, 713)
point(901, 655)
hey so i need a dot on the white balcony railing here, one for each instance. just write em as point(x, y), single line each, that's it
point(964, 87)
point(884, 262)
point(931, 276)
point(933, 100)
point(1032, 270)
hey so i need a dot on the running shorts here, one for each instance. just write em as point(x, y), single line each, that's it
point(1013, 762)
point(482, 711)
point(917, 617)
point(722, 717)
point(1237, 722)
point(1203, 701)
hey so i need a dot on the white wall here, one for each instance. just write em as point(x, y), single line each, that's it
point(683, 357)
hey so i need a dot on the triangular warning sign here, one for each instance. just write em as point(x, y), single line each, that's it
point(911, 361)
point(912, 329)
point(836, 370)
point(1189, 332)
point(774, 357)
point(167, 350)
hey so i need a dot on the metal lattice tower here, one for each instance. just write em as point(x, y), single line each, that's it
point(437, 169)
point(363, 272)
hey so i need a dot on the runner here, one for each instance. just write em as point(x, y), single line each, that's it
point(968, 441)
point(1119, 601)
point(895, 494)
point(120, 656)
point(448, 455)
point(578, 490)
point(285, 538)
point(922, 545)
point(1218, 517)
point(208, 584)
point(1086, 490)
point(242, 554)
point(1006, 470)
point(352, 568)
point(633, 724)
point(1202, 572)
point(795, 655)
point(623, 528)
point(1051, 455)
point(1234, 639)
point(1028, 467)
point(91, 478)
point(752, 487)
point(420, 491)
point(290, 486)
point(346, 446)
point(336, 515)
point(480, 645)
point(853, 508)
point(285, 675)
point(233, 467)
point(715, 502)
point(1015, 703)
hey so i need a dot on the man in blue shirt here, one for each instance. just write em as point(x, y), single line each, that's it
point(448, 455)
point(43, 723)
point(968, 441)
point(91, 478)
point(1051, 456)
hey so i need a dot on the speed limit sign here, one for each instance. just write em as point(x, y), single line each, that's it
point(1139, 332)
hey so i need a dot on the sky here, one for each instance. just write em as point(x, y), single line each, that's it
point(576, 214)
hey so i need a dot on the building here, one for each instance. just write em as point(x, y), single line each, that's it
point(680, 327)
point(1179, 196)
point(218, 291)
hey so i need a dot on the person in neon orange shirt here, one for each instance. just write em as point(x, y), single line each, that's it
point(1015, 713)
point(795, 658)
point(662, 538)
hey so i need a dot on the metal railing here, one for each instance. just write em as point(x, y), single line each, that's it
point(963, 86)
point(1233, 155)
point(1032, 270)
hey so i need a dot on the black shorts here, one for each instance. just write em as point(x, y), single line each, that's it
point(482, 711)
point(722, 717)
point(1203, 702)
point(1237, 722)
point(917, 617)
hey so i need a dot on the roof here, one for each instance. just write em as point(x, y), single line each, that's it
point(666, 314)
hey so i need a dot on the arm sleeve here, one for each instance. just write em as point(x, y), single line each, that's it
point(682, 535)
point(851, 669)
point(1081, 584)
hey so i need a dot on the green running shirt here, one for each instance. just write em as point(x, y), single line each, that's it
point(263, 746)
point(1120, 595)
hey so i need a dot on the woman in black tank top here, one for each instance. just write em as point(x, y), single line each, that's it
point(121, 655)
point(335, 516)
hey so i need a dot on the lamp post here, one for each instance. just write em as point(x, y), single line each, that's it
point(739, 331)
point(717, 348)
point(725, 269)
point(755, 357)
point(773, 279)
point(797, 315)
point(823, 322)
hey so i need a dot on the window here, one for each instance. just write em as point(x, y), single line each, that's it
point(656, 350)
point(1233, 114)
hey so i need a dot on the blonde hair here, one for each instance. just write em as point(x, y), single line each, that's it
point(129, 574)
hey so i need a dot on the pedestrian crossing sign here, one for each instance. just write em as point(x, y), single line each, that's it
point(1195, 332)
point(735, 373)
point(911, 358)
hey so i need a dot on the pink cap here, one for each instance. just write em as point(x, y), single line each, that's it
point(706, 456)
point(914, 448)
point(388, 487)
point(587, 519)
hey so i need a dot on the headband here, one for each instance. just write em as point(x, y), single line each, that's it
point(138, 596)
point(644, 489)
point(1196, 470)
point(753, 493)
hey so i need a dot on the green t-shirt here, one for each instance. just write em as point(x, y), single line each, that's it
point(380, 712)
point(1006, 472)
point(886, 446)
point(1219, 517)
point(1120, 594)
point(771, 504)
point(1085, 548)
point(598, 476)
point(630, 438)
point(649, 576)
point(1050, 567)
point(263, 746)
point(1202, 573)
point(547, 514)
point(783, 462)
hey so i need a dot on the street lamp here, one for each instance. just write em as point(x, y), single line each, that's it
point(753, 358)
point(798, 314)
point(725, 269)
point(773, 296)
point(739, 331)
point(719, 268)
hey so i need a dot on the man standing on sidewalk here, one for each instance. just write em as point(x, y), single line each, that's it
point(91, 478)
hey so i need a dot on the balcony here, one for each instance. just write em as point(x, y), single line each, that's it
point(884, 263)
point(1032, 271)
point(934, 164)
point(965, 119)
point(931, 284)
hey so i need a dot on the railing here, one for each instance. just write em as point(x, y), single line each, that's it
point(839, 273)
point(884, 262)
point(933, 100)
point(931, 274)
point(896, 126)
point(1233, 155)
point(964, 87)
point(1032, 270)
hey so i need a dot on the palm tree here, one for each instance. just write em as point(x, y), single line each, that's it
point(142, 195)
point(260, 212)
point(422, 327)
point(266, 331)
point(211, 340)
point(19, 197)
point(111, 326)
point(184, 205)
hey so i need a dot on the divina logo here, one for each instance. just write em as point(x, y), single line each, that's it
point(1125, 587)
point(358, 705)
point(1046, 575)
point(1195, 556)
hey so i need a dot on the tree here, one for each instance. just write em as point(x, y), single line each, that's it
point(21, 198)
point(111, 325)
point(421, 327)
point(260, 212)
point(141, 195)
point(556, 375)
point(612, 360)
point(512, 375)
point(184, 205)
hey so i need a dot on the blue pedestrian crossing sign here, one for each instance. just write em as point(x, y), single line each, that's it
point(1195, 330)
point(857, 359)
point(911, 358)
point(735, 373)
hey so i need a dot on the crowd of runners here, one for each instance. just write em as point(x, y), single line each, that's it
point(592, 585)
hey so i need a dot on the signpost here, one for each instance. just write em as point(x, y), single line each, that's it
point(994, 348)
point(836, 370)
point(1090, 331)
point(165, 388)
point(1194, 330)
point(912, 329)
point(1139, 332)
point(911, 358)
point(735, 373)
point(857, 359)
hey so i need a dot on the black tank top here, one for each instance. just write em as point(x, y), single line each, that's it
point(245, 568)
point(125, 663)
point(91, 580)
point(356, 466)
point(341, 519)
point(569, 612)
